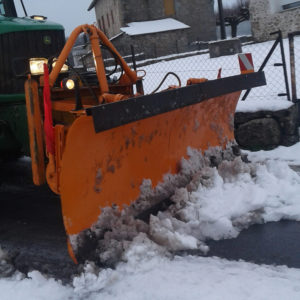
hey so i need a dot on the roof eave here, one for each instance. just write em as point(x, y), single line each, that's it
point(92, 5)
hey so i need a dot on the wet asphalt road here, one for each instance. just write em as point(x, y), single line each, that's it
point(274, 243)
point(31, 229)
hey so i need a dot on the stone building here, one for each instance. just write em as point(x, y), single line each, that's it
point(197, 16)
point(272, 15)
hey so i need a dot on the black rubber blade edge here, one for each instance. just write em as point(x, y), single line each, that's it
point(112, 115)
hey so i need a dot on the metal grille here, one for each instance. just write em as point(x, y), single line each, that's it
point(17, 47)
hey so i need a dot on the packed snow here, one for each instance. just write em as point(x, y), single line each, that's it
point(146, 27)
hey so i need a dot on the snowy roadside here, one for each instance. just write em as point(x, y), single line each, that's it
point(233, 197)
point(148, 274)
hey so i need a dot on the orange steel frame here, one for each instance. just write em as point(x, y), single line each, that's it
point(66, 105)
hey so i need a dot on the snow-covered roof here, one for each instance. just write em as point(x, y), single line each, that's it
point(146, 27)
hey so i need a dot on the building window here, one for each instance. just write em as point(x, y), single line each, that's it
point(112, 17)
point(169, 7)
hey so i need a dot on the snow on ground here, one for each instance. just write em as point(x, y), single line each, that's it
point(158, 277)
point(147, 274)
point(225, 201)
point(291, 155)
point(268, 103)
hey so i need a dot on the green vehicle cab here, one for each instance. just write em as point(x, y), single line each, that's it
point(22, 39)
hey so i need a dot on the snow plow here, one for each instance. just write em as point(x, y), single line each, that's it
point(95, 138)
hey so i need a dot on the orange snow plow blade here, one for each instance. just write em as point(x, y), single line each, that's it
point(107, 168)
point(111, 150)
point(108, 140)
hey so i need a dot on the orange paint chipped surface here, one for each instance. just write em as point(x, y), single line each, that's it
point(108, 168)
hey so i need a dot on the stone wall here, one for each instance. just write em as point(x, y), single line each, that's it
point(199, 15)
point(265, 130)
point(141, 10)
point(264, 21)
point(109, 16)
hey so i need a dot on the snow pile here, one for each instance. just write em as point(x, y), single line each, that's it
point(241, 194)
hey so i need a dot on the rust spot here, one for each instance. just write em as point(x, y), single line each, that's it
point(111, 168)
point(196, 125)
point(97, 190)
point(118, 163)
point(146, 159)
point(141, 139)
point(98, 180)
point(127, 143)
point(109, 160)
point(132, 184)
point(133, 131)
point(150, 138)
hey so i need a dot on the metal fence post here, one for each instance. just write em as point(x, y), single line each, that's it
point(284, 66)
point(293, 68)
point(263, 64)
point(133, 57)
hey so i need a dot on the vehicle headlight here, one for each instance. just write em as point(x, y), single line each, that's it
point(38, 18)
point(68, 84)
point(64, 68)
point(37, 65)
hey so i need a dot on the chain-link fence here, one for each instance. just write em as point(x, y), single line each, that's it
point(200, 64)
